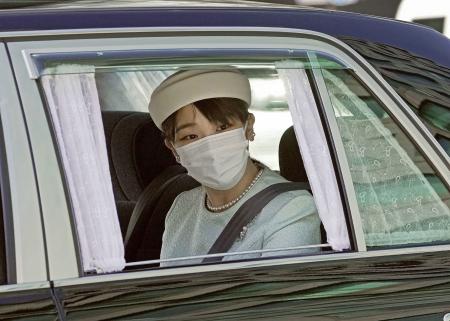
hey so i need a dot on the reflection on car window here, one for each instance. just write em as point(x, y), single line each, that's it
point(401, 199)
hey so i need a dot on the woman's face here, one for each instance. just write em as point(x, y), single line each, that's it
point(191, 125)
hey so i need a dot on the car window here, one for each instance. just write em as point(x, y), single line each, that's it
point(422, 84)
point(139, 160)
point(401, 199)
point(272, 121)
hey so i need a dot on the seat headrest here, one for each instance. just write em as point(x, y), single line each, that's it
point(291, 163)
point(136, 152)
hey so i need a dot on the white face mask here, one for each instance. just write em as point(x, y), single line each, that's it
point(217, 161)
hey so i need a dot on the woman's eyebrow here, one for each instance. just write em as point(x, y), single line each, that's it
point(177, 129)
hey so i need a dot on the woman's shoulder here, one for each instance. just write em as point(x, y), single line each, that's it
point(184, 201)
point(293, 207)
point(192, 194)
point(294, 203)
point(271, 177)
point(187, 198)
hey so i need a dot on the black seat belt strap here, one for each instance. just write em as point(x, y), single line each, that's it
point(245, 214)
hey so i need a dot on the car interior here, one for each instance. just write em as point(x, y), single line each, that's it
point(146, 178)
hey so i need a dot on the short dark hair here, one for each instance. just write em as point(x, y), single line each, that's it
point(217, 110)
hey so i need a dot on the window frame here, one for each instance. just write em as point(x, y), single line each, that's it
point(166, 38)
point(24, 235)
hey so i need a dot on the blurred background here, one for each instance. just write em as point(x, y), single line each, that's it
point(432, 13)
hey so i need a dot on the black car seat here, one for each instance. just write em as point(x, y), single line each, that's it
point(290, 160)
point(145, 178)
point(136, 155)
point(143, 239)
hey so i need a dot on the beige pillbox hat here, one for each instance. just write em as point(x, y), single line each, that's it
point(187, 87)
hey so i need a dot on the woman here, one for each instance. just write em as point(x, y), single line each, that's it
point(205, 120)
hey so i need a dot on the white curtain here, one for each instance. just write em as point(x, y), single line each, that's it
point(75, 111)
point(316, 157)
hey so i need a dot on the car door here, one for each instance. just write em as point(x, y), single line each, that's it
point(25, 291)
point(386, 282)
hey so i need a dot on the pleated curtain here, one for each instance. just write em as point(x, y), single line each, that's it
point(74, 107)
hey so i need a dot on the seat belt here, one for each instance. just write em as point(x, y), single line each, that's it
point(245, 214)
point(150, 194)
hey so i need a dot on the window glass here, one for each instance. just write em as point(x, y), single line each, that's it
point(401, 199)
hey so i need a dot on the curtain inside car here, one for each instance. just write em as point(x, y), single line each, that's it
point(315, 154)
point(75, 111)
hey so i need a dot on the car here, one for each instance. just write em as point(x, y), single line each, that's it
point(356, 106)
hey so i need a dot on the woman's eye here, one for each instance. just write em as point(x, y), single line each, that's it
point(223, 127)
point(189, 137)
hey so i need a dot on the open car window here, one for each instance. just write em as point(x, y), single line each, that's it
point(114, 156)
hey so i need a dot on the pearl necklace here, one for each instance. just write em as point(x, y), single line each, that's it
point(225, 206)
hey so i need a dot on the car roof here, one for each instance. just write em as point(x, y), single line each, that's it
point(420, 40)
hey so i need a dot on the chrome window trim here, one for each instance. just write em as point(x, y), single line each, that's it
point(250, 264)
point(207, 37)
point(185, 258)
point(360, 241)
point(28, 243)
